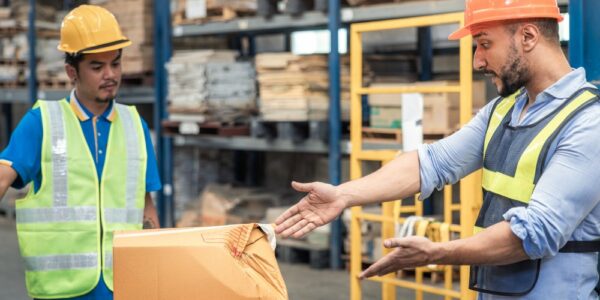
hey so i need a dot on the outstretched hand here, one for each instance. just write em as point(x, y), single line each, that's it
point(320, 206)
point(410, 252)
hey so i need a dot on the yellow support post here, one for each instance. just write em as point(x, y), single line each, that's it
point(388, 291)
point(470, 187)
point(469, 183)
point(355, 163)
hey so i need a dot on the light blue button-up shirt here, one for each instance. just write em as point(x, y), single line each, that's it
point(565, 203)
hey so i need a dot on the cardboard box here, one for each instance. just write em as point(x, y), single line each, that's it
point(440, 110)
point(386, 117)
point(226, 262)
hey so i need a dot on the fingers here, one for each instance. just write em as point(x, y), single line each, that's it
point(287, 219)
point(295, 228)
point(291, 221)
point(302, 187)
point(376, 268)
point(306, 229)
point(394, 243)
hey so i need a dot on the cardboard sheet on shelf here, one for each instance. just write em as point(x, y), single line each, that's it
point(224, 262)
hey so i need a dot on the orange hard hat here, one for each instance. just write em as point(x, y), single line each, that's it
point(482, 11)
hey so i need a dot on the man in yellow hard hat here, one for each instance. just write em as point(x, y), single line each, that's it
point(91, 164)
point(538, 233)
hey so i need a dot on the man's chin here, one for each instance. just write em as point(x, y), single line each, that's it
point(104, 99)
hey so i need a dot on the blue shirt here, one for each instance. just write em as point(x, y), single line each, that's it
point(23, 154)
point(565, 203)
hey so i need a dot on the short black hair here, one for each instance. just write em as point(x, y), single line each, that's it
point(73, 59)
point(548, 28)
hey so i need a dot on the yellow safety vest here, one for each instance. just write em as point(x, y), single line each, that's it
point(514, 159)
point(65, 229)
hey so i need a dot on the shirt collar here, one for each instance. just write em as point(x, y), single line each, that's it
point(84, 114)
point(567, 85)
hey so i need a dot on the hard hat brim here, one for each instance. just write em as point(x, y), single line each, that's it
point(108, 48)
point(460, 33)
point(98, 49)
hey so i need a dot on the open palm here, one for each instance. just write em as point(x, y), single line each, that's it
point(320, 206)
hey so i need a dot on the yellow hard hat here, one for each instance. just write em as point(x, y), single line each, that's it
point(91, 29)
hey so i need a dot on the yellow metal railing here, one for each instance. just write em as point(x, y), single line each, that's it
point(470, 187)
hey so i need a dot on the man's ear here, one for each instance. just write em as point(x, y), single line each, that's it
point(530, 36)
point(71, 72)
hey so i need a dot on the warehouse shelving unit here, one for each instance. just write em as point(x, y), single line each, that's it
point(391, 211)
point(335, 19)
point(253, 26)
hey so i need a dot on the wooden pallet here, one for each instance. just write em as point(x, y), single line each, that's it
point(54, 83)
point(382, 135)
point(291, 130)
point(205, 128)
point(214, 14)
point(13, 84)
point(10, 31)
point(138, 79)
point(12, 62)
point(394, 135)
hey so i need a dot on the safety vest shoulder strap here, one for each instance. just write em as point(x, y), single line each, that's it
point(521, 186)
point(499, 112)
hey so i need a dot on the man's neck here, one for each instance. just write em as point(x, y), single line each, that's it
point(93, 106)
point(545, 75)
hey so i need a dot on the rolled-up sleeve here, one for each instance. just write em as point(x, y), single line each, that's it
point(566, 193)
point(448, 160)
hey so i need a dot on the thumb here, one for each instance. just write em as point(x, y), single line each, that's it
point(302, 187)
point(393, 243)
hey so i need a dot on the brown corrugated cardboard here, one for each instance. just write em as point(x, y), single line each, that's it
point(225, 262)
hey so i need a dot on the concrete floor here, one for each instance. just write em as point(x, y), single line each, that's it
point(302, 282)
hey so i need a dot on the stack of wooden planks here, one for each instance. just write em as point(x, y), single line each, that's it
point(292, 87)
point(136, 18)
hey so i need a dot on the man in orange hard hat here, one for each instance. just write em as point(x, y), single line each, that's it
point(538, 233)
point(92, 166)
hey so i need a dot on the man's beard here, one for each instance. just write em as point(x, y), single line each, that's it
point(104, 100)
point(513, 75)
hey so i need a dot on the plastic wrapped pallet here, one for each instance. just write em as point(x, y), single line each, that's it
point(211, 84)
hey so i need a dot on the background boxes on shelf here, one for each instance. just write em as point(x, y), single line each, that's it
point(440, 110)
point(386, 117)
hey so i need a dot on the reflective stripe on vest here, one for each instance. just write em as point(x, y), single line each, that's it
point(133, 165)
point(61, 262)
point(59, 225)
point(520, 187)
